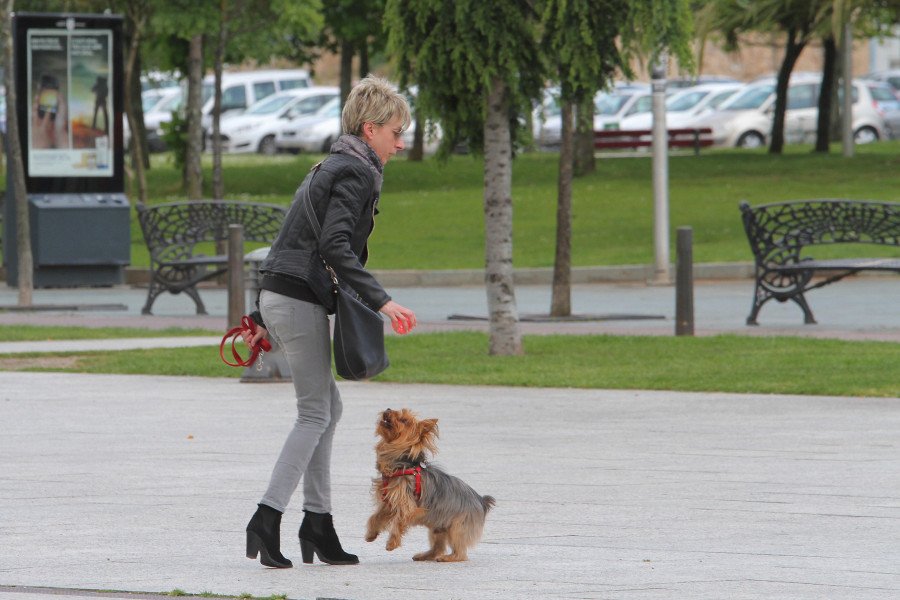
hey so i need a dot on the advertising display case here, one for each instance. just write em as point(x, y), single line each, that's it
point(68, 77)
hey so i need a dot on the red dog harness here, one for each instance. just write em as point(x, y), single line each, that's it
point(402, 473)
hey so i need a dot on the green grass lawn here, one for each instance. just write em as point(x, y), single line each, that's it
point(726, 363)
point(432, 215)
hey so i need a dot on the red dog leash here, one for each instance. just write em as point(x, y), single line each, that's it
point(247, 324)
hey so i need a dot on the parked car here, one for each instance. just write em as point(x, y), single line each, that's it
point(243, 88)
point(313, 133)
point(745, 119)
point(687, 82)
point(256, 129)
point(161, 113)
point(890, 77)
point(157, 105)
point(685, 105)
point(316, 133)
point(609, 109)
point(887, 102)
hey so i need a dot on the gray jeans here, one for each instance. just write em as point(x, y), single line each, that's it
point(302, 331)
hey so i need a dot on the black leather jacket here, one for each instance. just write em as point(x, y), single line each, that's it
point(344, 194)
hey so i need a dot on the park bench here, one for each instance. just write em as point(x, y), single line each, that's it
point(781, 232)
point(177, 232)
point(618, 139)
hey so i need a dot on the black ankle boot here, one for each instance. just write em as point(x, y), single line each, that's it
point(264, 538)
point(317, 535)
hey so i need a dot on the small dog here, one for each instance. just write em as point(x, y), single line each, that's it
point(408, 492)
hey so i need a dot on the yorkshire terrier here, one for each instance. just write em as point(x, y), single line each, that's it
point(410, 492)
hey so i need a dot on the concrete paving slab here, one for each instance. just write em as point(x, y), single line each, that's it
point(145, 484)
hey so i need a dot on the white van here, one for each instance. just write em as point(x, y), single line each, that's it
point(243, 88)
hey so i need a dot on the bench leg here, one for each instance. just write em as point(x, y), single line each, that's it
point(808, 318)
point(154, 291)
point(760, 297)
point(192, 292)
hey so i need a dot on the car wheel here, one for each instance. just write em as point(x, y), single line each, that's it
point(751, 139)
point(267, 146)
point(865, 135)
point(326, 146)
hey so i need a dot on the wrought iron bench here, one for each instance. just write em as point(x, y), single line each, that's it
point(779, 233)
point(173, 232)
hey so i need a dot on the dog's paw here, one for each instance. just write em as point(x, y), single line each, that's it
point(371, 537)
point(392, 544)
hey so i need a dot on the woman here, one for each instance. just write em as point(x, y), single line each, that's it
point(296, 297)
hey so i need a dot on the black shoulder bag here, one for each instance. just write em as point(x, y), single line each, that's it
point(359, 351)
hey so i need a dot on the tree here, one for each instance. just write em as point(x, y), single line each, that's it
point(474, 62)
point(797, 21)
point(242, 28)
point(14, 161)
point(580, 43)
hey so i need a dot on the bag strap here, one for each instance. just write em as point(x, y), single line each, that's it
point(314, 221)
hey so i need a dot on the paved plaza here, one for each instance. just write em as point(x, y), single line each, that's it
point(144, 484)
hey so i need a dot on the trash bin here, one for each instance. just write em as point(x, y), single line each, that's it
point(76, 240)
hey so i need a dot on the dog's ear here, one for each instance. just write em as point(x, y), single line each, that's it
point(428, 427)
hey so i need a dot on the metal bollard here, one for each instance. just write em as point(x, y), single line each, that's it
point(684, 282)
point(235, 275)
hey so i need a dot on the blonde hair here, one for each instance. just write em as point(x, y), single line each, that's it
point(373, 100)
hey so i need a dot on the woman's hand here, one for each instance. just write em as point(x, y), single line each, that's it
point(402, 319)
point(252, 339)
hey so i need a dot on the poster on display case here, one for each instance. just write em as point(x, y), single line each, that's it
point(69, 79)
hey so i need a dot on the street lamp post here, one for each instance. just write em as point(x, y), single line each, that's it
point(660, 175)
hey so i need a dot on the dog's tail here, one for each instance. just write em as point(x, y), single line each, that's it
point(487, 502)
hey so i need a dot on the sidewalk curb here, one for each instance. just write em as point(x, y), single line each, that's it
point(535, 276)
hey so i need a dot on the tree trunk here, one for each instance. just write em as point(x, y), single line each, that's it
point(826, 93)
point(193, 159)
point(217, 182)
point(135, 121)
point(792, 52)
point(15, 164)
point(346, 74)
point(417, 152)
point(505, 337)
point(363, 59)
point(584, 160)
point(561, 300)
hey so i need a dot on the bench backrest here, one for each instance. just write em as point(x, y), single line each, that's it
point(176, 227)
point(782, 229)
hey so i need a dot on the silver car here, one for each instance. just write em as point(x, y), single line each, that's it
point(745, 120)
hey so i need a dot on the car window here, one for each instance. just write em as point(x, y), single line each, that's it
point(290, 84)
point(841, 94)
point(751, 98)
point(310, 105)
point(720, 97)
point(610, 104)
point(882, 94)
point(263, 89)
point(641, 105)
point(685, 101)
point(269, 106)
point(332, 108)
point(207, 91)
point(802, 96)
point(234, 97)
point(894, 81)
point(169, 104)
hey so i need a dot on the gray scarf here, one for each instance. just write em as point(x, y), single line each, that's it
point(351, 145)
